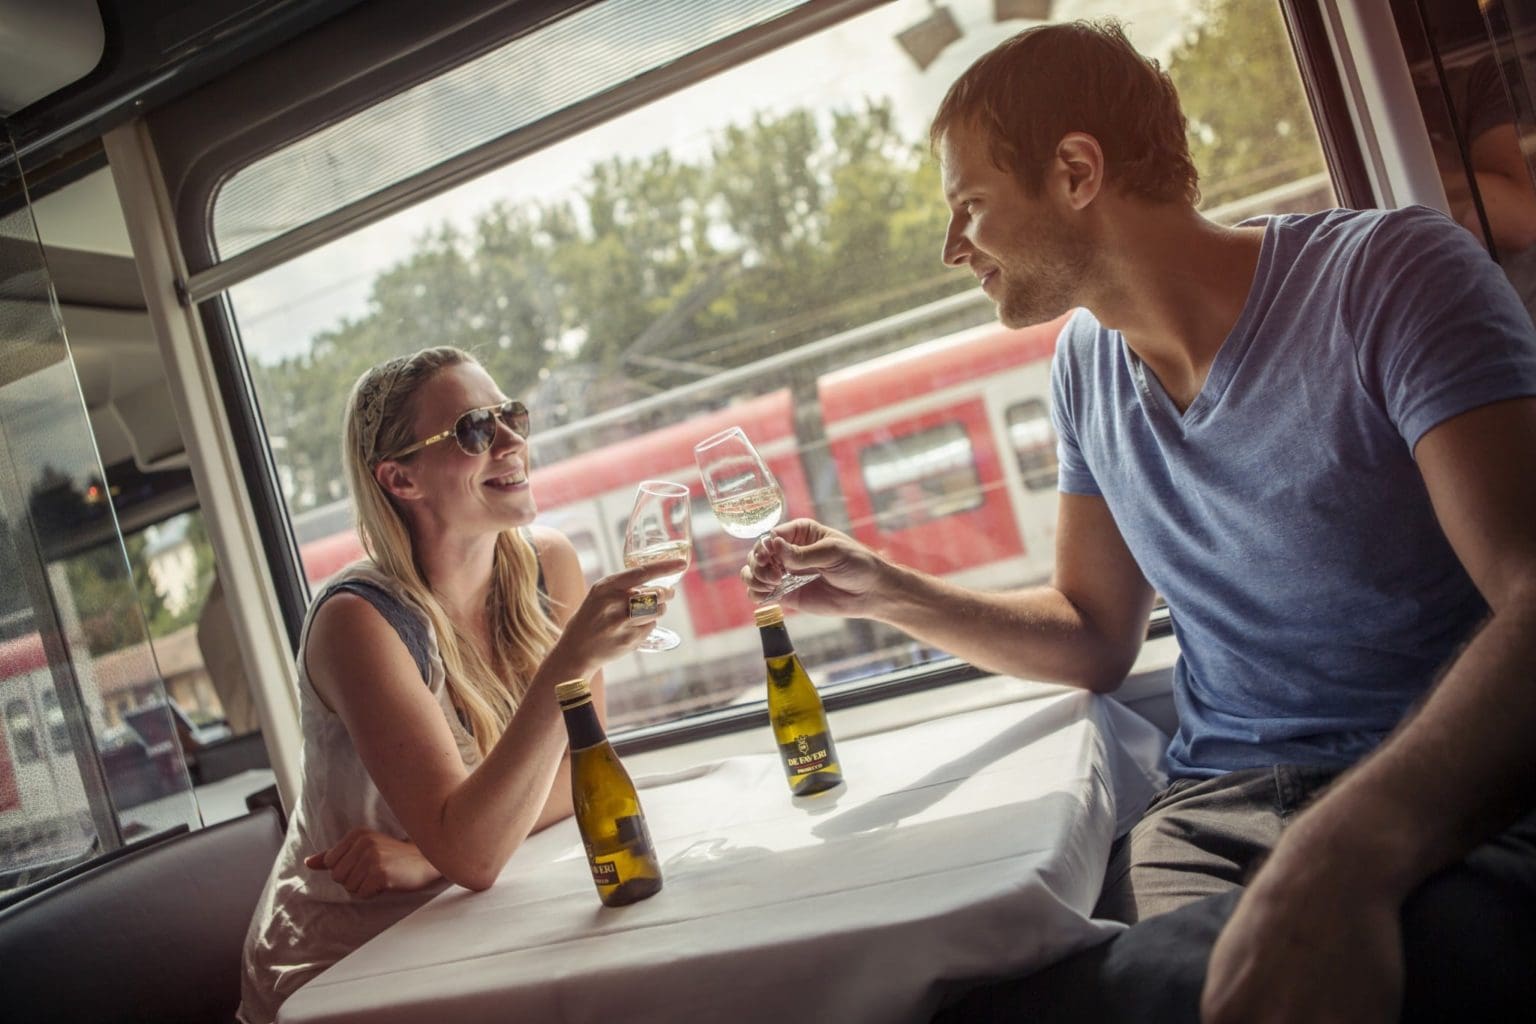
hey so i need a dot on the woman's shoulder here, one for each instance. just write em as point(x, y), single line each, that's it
point(362, 603)
point(547, 540)
point(559, 566)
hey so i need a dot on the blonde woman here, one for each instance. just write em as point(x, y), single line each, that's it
point(432, 743)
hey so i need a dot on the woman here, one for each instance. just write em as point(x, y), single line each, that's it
point(432, 741)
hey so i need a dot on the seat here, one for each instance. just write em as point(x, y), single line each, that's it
point(153, 935)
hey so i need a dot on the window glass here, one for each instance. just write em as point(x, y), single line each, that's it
point(1034, 443)
point(716, 554)
point(1473, 65)
point(920, 477)
point(70, 631)
point(18, 720)
point(587, 554)
point(752, 250)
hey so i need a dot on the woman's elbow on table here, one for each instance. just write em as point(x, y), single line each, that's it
point(463, 868)
point(474, 877)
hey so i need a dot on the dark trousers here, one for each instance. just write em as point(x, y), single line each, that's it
point(1469, 932)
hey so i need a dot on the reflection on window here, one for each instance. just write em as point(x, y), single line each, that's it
point(18, 721)
point(921, 477)
point(1034, 443)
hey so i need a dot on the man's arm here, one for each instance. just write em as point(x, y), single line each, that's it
point(1504, 183)
point(1325, 907)
point(1084, 628)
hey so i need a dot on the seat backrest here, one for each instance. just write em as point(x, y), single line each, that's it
point(155, 935)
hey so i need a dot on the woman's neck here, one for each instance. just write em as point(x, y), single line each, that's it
point(458, 571)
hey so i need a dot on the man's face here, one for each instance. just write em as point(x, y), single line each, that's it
point(1027, 256)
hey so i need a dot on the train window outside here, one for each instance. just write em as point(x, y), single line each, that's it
point(917, 478)
point(24, 741)
point(587, 554)
point(746, 250)
point(1034, 443)
point(53, 718)
point(716, 554)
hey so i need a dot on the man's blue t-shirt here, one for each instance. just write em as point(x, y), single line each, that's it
point(1282, 517)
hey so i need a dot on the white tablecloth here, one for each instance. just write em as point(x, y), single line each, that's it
point(967, 846)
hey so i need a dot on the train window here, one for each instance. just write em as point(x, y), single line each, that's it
point(1034, 443)
point(716, 554)
point(24, 741)
point(920, 477)
point(752, 248)
point(587, 554)
point(53, 719)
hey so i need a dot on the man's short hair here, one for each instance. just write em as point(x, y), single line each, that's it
point(1081, 76)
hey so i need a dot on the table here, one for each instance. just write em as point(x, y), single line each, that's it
point(967, 846)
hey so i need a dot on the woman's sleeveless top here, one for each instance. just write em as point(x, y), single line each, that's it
point(305, 921)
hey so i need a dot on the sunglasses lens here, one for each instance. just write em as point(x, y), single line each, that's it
point(475, 430)
point(515, 416)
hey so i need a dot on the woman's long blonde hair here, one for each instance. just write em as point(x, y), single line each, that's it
point(486, 686)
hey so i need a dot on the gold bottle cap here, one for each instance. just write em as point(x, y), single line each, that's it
point(768, 615)
point(572, 691)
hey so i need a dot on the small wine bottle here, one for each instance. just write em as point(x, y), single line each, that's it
point(619, 850)
point(794, 709)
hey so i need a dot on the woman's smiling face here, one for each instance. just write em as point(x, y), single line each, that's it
point(486, 492)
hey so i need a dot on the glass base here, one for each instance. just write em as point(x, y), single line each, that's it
point(660, 638)
point(789, 584)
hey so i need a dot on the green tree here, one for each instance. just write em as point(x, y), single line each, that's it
point(793, 227)
point(1250, 128)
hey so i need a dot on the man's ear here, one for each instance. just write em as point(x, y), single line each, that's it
point(1079, 169)
point(396, 479)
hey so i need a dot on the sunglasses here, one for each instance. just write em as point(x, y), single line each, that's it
point(475, 429)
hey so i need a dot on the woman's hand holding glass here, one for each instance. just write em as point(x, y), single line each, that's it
point(660, 534)
point(612, 620)
point(744, 495)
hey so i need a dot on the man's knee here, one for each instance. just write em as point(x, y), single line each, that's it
point(1152, 972)
point(1469, 938)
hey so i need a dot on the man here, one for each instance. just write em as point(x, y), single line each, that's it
point(1316, 438)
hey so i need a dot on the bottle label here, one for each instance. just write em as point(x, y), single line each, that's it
point(636, 841)
point(808, 752)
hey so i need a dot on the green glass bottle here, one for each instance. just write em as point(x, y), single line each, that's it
point(795, 711)
point(608, 814)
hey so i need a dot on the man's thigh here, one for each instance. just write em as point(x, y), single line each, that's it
point(1197, 839)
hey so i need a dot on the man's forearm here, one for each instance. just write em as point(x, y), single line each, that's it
point(1036, 633)
point(1454, 774)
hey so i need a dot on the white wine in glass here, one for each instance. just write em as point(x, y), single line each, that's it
point(660, 530)
point(745, 496)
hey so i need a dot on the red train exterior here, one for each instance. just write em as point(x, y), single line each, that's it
point(957, 384)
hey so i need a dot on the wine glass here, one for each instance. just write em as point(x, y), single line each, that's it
point(660, 529)
point(743, 493)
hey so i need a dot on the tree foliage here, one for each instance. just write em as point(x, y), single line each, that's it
point(791, 227)
point(794, 226)
point(1249, 125)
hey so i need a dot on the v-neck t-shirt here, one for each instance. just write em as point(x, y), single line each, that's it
point(1281, 515)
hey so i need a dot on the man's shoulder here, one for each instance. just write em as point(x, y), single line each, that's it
point(1368, 234)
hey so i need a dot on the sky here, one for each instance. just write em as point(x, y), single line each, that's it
point(280, 311)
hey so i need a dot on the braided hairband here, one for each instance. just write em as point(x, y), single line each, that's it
point(372, 399)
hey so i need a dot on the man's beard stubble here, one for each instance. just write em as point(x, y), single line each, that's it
point(1047, 283)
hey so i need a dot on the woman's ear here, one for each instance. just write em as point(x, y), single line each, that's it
point(396, 479)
